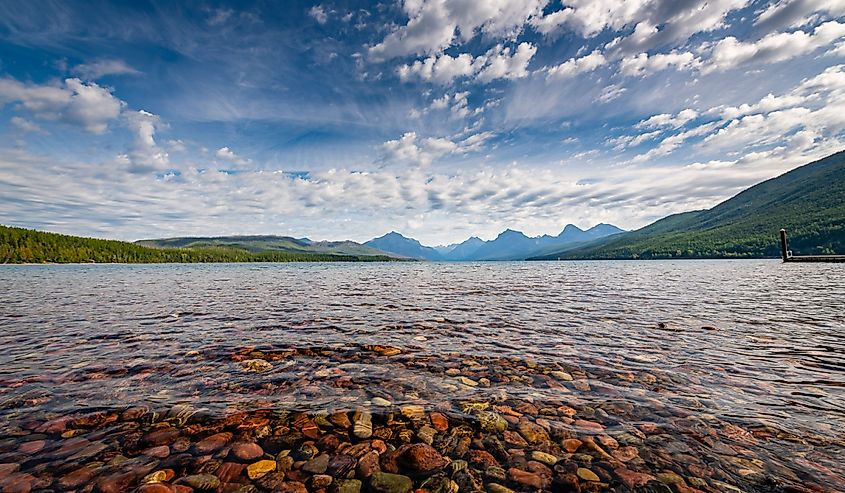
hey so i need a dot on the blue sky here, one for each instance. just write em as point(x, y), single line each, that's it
point(440, 119)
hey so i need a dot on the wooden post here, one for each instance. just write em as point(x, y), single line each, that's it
point(784, 253)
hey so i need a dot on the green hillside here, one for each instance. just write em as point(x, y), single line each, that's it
point(809, 202)
point(267, 243)
point(18, 245)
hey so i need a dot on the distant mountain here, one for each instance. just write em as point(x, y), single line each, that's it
point(397, 244)
point(266, 243)
point(809, 202)
point(466, 249)
point(514, 245)
point(509, 245)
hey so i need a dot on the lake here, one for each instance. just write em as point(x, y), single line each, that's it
point(591, 376)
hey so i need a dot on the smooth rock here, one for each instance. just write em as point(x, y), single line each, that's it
point(383, 482)
point(202, 482)
point(214, 442)
point(368, 464)
point(543, 457)
point(256, 365)
point(586, 474)
point(379, 401)
point(346, 486)
point(439, 421)
point(258, 469)
point(362, 424)
point(247, 451)
point(317, 465)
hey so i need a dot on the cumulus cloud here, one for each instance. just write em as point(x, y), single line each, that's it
point(643, 65)
point(810, 116)
point(412, 150)
point(730, 53)
point(145, 155)
point(229, 155)
point(575, 66)
point(74, 102)
point(434, 25)
point(500, 62)
point(668, 120)
point(795, 13)
point(99, 68)
point(318, 12)
point(655, 22)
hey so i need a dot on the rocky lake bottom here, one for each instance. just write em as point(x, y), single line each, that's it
point(647, 377)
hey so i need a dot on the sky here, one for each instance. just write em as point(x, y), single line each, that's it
point(440, 119)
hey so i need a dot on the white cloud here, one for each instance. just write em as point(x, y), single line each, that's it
point(611, 92)
point(229, 155)
point(730, 53)
point(625, 141)
point(75, 102)
point(796, 13)
point(409, 149)
point(669, 120)
point(575, 66)
point(25, 125)
point(434, 25)
point(442, 68)
point(99, 68)
point(810, 116)
point(318, 12)
point(500, 62)
point(656, 22)
point(644, 65)
point(145, 155)
point(769, 103)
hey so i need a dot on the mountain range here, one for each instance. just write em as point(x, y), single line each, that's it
point(809, 202)
point(509, 245)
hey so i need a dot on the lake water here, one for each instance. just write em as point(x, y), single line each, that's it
point(672, 376)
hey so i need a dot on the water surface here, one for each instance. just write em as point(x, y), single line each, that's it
point(755, 345)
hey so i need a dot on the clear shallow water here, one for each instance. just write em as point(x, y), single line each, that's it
point(754, 344)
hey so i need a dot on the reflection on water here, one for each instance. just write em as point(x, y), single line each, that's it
point(718, 374)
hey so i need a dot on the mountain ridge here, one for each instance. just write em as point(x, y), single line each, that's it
point(807, 201)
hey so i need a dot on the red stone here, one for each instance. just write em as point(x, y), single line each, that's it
point(247, 451)
point(6, 469)
point(632, 479)
point(482, 459)
point(439, 422)
point(58, 425)
point(588, 425)
point(571, 445)
point(292, 487)
point(528, 478)
point(212, 443)
point(116, 483)
point(164, 436)
point(625, 454)
point(160, 452)
point(368, 464)
point(421, 457)
point(155, 488)
point(17, 483)
point(76, 478)
point(228, 471)
point(31, 447)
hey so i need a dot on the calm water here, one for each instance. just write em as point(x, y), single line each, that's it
point(754, 344)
